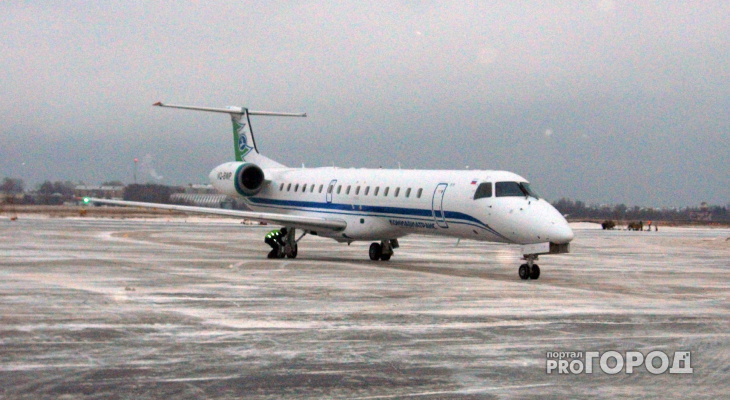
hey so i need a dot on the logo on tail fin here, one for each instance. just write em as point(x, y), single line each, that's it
point(243, 146)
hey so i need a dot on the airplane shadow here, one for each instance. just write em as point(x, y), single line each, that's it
point(422, 266)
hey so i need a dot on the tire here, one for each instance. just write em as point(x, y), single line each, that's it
point(385, 257)
point(295, 250)
point(535, 273)
point(524, 272)
point(376, 251)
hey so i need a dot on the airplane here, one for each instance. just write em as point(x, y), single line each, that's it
point(379, 205)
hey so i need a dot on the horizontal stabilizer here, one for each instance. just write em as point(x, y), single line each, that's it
point(231, 110)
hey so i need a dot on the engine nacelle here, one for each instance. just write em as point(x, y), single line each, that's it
point(249, 179)
point(238, 178)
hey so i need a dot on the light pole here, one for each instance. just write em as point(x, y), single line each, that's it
point(136, 160)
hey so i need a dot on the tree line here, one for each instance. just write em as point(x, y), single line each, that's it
point(59, 192)
point(621, 212)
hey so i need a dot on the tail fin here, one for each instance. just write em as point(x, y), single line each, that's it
point(243, 140)
point(243, 136)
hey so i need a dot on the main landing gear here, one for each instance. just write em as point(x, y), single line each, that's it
point(383, 250)
point(530, 270)
point(290, 248)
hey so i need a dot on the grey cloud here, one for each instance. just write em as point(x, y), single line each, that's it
point(636, 94)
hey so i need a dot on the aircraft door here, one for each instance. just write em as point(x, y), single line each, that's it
point(437, 205)
point(330, 189)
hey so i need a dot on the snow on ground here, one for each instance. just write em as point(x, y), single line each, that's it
point(585, 225)
point(192, 308)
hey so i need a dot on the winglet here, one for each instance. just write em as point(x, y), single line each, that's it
point(159, 104)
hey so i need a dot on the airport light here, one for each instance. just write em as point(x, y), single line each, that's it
point(136, 160)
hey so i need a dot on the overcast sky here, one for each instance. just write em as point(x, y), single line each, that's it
point(602, 101)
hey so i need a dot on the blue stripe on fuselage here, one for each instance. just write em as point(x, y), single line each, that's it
point(349, 208)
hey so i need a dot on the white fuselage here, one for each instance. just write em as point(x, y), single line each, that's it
point(380, 204)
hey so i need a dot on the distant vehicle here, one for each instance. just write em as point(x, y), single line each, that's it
point(380, 205)
point(608, 224)
point(635, 226)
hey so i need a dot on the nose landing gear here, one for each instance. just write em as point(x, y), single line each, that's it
point(530, 270)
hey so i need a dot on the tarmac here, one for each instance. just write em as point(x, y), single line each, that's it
point(191, 308)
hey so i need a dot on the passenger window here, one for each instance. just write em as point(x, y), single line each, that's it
point(385, 193)
point(408, 192)
point(377, 189)
point(339, 189)
point(397, 192)
point(281, 187)
point(483, 190)
point(367, 189)
point(347, 191)
point(304, 188)
point(288, 187)
point(329, 189)
point(508, 189)
point(420, 192)
point(357, 191)
point(296, 187)
point(321, 187)
point(311, 188)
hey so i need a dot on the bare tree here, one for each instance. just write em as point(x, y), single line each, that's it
point(12, 186)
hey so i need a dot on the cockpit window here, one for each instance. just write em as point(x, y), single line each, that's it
point(514, 189)
point(483, 190)
point(508, 189)
point(529, 190)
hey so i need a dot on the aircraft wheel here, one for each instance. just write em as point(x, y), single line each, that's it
point(535, 273)
point(272, 254)
point(376, 251)
point(385, 257)
point(524, 271)
point(294, 251)
point(280, 252)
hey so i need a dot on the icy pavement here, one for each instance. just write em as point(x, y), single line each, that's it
point(131, 309)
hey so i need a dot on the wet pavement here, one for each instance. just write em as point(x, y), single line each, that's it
point(193, 309)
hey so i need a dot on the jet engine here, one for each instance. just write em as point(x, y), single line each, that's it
point(237, 178)
point(249, 179)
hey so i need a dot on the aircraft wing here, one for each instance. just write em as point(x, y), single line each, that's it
point(301, 222)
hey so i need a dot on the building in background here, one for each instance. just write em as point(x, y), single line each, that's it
point(102, 192)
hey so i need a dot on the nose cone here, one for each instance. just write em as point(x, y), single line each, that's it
point(536, 222)
point(549, 225)
point(560, 232)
